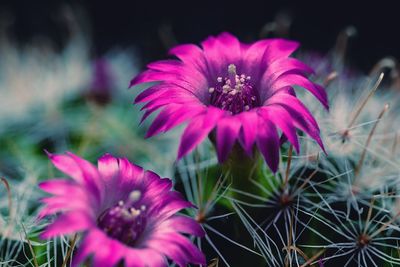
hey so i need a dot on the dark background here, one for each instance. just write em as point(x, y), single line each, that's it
point(138, 23)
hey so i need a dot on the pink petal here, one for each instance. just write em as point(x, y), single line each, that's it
point(109, 253)
point(92, 240)
point(182, 224)
point(177, 97)
point(150, 76)
point(144, 257)
point(278, 68)
point(130, 171)
point(75, 199)
point(215, 57)
point(196, 256)
point(198, 129)
point(279, 48)
point(156, 188)
point(177, 248)
point(59, 186)
point(259, 55)
point(91, 176)
point(189, 76)
point(108, 167)
point(158, 90)
point(249, 122)
point(227, 133)
point(268, 143)
point(295, 79)
point(293, 104)
point(191, 55)
point(130, 178)
point(172, 115)
point(148, 113)
point(68, 166)
point(183, 113)
point(252, 59)
point(280, 117)
point(170, 207)
point(68, 223)
point(174, 72)
point(230, 46)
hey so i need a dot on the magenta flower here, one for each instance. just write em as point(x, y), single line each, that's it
point(126, 213)
point(244, 91)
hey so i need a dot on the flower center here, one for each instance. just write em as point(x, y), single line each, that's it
point(233, 93)
point(345, 136)
point(363, 240)
point(125, 221)
point(285, 200)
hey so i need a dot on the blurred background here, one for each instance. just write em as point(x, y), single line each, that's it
point(147, 24)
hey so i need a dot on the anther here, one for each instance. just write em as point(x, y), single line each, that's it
point(232, 69)
point(232, 74)
point(135, 196)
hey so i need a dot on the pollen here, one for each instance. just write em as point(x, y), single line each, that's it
point(135, 196)
point(232, 69)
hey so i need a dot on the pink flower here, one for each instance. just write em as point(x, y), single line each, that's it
point(126, 213)
point(244, 91)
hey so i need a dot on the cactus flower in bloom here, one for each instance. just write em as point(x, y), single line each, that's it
point(239, 92)
point(126, 214)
